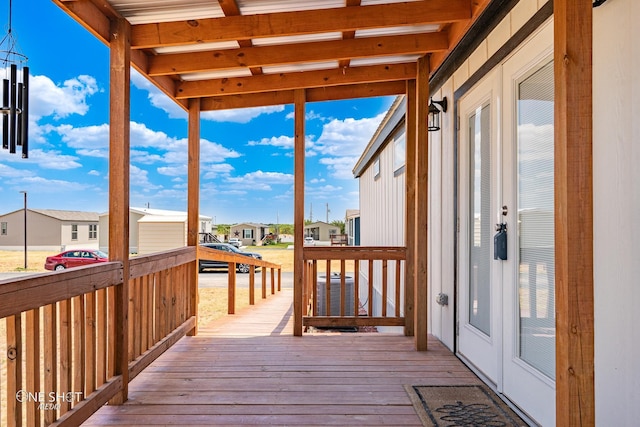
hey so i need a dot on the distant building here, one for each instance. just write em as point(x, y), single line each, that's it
point(154, 230)
point(321, 231)
point(249, 233)
point(352, 227)
point(49, 230)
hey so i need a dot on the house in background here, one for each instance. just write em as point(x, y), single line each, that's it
point(321, 231)
point(49, 230)
point(352, 227)
point(154, 230)
point(249, 233)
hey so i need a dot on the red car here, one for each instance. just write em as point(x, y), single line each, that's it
point(74, 258)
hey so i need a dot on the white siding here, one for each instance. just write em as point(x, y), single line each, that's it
point(382, 207)
point(161, 236)
point(616, 155)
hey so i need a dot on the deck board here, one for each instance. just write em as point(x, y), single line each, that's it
point(249, 369)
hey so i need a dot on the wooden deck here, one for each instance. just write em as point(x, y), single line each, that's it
point(249, 369)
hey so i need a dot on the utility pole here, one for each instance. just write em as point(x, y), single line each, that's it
point(328, 210)
point(311, 212)
point(25, 229)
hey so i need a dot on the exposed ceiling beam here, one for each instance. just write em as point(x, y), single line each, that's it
point(300, 22)
point(290, 81)
point(313, 95)
point(346, 35)
point(258, 56)
point(230, 8)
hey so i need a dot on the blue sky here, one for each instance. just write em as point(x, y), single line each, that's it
point(246, 155)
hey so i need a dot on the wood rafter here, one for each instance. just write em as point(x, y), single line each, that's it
point(309, 79)
point(194, 62)
point(230, 8)
point(297, 23)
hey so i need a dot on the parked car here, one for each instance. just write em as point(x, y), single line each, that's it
point(235, 242)
point(226, 247)
point(309, 241)
point(75, 258)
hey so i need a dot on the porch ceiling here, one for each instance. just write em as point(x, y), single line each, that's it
point(243, 53)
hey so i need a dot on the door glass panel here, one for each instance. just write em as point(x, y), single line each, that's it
point(535, 221)
point(479, 212)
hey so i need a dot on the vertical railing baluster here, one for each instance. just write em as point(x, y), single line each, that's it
point(32, 355)
point(66, 348)
point(14, 369)
point(144, 313)
point(398, 277)
point(79, 334)
point(101, 337)
point(370, 301)
point(384, 288)
point(50, 357)
point(314, 288)
point(356, 287)
point(90, 336)
point(343, 287)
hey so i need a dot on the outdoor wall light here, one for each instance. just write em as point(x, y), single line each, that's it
point(435, 107)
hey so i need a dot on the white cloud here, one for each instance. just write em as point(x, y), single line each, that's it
point(310, 115)
point(93, 173)
point(342, 143)
point(180, 170)
point(216, 170)
point(59, 101)
point(275, 141)
point(140, 178)
point(340, 167)
point(240, 115)
point(9, 172)
point(316, 180)
point(260, 180)
point(163, 102)
point(53, 160)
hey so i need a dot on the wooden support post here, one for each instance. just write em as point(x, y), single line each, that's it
point(575, 390)
point(298, 211)
point(410, 211)
point(193, 197)
point(421, 196)
point(231, 302)
point(264, 282)
point(252, 285)
point(119, 147)
point(273, 281)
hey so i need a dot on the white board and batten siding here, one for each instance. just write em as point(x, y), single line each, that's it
point(382, 219)
point(616, 191)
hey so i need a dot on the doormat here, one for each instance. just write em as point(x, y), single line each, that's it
point(467, 405)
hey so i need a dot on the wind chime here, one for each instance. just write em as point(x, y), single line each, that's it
point(15, 95)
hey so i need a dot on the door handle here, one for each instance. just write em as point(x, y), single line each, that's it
point(500, 242)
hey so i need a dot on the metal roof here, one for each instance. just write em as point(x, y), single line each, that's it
point(209, 49)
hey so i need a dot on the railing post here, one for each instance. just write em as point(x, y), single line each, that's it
point(264, 282)
point(193, 198)
point(273, 282)
point(232, 289)
point(298, 209)
point(119, 165)
point(252, 285)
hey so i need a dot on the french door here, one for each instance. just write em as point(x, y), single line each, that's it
point(506, 307)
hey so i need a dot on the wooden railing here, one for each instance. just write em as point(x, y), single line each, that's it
point(353, 286)
point(233, 260)
point(59, 355)
point(58, 331)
